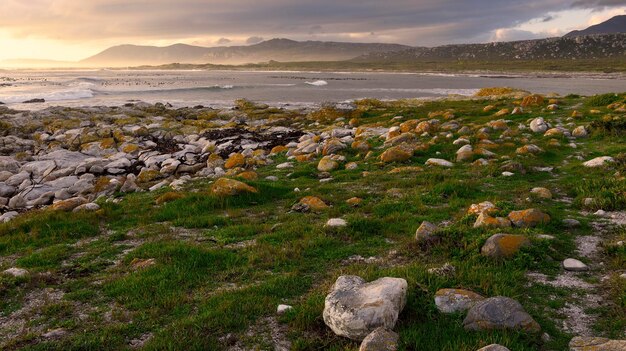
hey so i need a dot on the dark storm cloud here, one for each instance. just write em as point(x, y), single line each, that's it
point(409, 21)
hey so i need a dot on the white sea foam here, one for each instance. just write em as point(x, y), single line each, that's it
point(59, 95)
point(317, 83)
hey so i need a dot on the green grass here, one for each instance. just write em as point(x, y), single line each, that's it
point(222, 265)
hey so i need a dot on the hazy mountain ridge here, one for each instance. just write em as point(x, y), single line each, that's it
point(275, 49)
point(583, 47)
point(614, 25)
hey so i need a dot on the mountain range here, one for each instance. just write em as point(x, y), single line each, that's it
point(275, 49)
point(616, 24)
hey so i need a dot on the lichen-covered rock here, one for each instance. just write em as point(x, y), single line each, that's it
point(310, 204)
point(485, 206)
point(235, 160)
point(355, 308)
point(528, 218)
point(327, 164)
point(69, 204)
point(532, 100)
point(425, 231)
point(381, 339)
point(498, 313)
point(542, 193)
point(484, 220)
point(230, 187)
point(398, 153)
point(580, 132)
point(580, 343)
point(504, 245)
point(456, 300)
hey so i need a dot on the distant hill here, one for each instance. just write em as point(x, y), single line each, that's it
point(573, 48)
point(614, 25)
point(275, 49)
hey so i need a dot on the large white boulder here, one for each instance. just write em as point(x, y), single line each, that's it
point(355, 308)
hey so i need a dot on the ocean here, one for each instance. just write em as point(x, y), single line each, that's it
point(221, 88)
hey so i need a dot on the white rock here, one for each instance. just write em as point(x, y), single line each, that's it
point(538, 125)
point(574, 265)
point(507, 174)
point(439, 162)
point(282, 309)
point(599, 161)
point(354, 308)
point(336, 222)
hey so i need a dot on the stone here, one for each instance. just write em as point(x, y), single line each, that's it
point(504, 245)
point(528, 218)
point(497, 313)
point(88, 207)
point(493, 347)
point(354, 201)
point(538, 125)
point(282, 309)
point(485, 206)
point(17, 202)
point(285, 165)
point(381, 339)
point(580, 343)
point(16, 272)
point(230, 187)
point(396, 154)
point(532, 100)
point(529, 149)
point(484, 220)
point(310, 204)
point(235, 160)
point(8, 216)
point(336, 222)
point(439, 162)
point(542, 193)
point(425, 231)
point(455, 300)
point(574, 265)
point(355, 308)
point(599, 162)
point(69, 204)
point(9, 164)
point(465, 153)
point(327, 164)
point(580, 132)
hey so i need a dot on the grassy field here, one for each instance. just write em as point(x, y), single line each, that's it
point(207, 273)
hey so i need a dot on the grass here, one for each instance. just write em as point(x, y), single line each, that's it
point(222, 265)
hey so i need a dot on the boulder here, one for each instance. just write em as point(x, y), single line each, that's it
point(498, 313)
point(574, 265)
point(398, 153)
point(484, 220)
point(381, 339)
point(599, 162)
point(327, 164)
point(310, 204)
point(580, 132)
point(538, 125)
point(9, 164)
point(336, 222)
point(504, 245)
point(542, 193)
point(230, 187)
point(425, 231)
point(580, 343)
point(69, 204)
point(439, 162)
point(528, 218)
point(456, 300)
point(355, 308)
point(485, 206)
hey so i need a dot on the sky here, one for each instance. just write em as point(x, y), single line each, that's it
point(71, 30)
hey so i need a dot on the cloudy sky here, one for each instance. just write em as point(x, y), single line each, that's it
point(75, 29)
